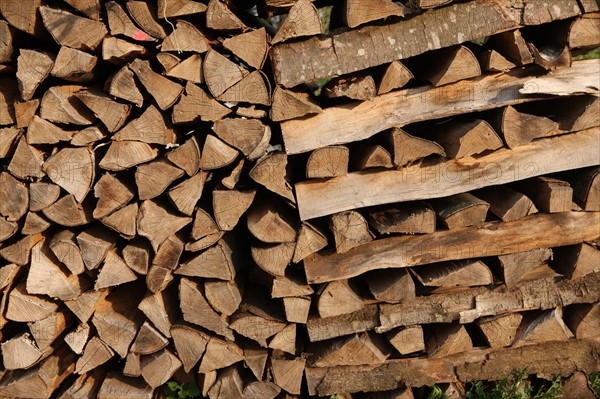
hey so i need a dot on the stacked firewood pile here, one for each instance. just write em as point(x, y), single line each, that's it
point(235, 194)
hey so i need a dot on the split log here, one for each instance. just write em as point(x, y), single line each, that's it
point(251, 47)
point(548, 194)
point(289, 287)
point(250, 136)
point(196, 105)
point(255, 358)
point(408, 340)
point(474, 365)
point(160, 309)
point(74, 65)
point(94, 244)
point(577, 261)
point(361, 189)
point(111, 113)
point(122, 85)
point(467, 137)
point(493, 61)
point(24, 112)
point(467, 273)
point(253, 88)
point(14, 197)
point(186, 156)
point(166, 260)
point(271, 222)
point(84, 305)
point(8, 139)
point(137, 256)
point(273, 258)
point(371, 156)
point(41, 131)
point(360, 12)
point(167, 9)
point(288, 104)
point(338, 298)
point(216, 154)
point(446, 340)
point(270, 171)
point(116, 386)
point(340, 54)
point(524, 266)
point(220, 73)
point(520, 128)
point(302, 20)
point(148, 340)
point(230, 205)
point(119, 23)
point(358, 87)
point(114, 272)
point(156, 222)
point(20, 352)
point(577, 384)
point(309, 241)
point(583, 320)
point(328, 162)
point(587, 190)
point(145, 16)
point(296, 309)
point(261, 390)
point(185, 37)
point(95, 354)
point(71, 30)
point(153, 178)
point(500, 331)
point(255, 327)
point(450, 65)
point(460, 210)
point(119, 52)
point(492, 238)
point(77, 338)
point(205, 230)
point(506, 203)
point(9, 92)
point(133, 367)
point(287, 374)
point(396, 75)
point(343, 124)
point(159, 367)
point(219, 354)
point(197, 310)
point(391, 286)
point(59, 104)
point(73, 169)
point(513, 47)
point(187, 193)
point(68, 212)
point(190, 344)
point(23, 307)
point(150, 127)
point(543, 327)
point(220, 17)
point(117, 319)
point(42, 380)
point(358, 349)
point(6, 44)
point(584, 32)
point(189, 69)
point(551, 57)
point(33, 68)
point(350, 229)
point(23, 15)
point(407, 148)
point(410, 218)
point(164, 91)
point(224, 296)
point(112, 195)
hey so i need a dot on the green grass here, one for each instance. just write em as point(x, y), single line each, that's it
point(593, 54)
point(175, 390)
point(594, 379)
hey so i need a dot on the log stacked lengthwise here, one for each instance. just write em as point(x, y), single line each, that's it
point(177, 204)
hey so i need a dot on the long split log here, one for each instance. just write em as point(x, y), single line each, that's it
point(555, 358)
point(440, 179)
point(318, 58)
point(361, 120)
point(490, 239)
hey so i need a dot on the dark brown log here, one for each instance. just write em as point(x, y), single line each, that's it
point(302, 20)
point(577, 385)
point(551, 57)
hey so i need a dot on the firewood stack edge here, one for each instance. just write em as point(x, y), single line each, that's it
point(241, 195)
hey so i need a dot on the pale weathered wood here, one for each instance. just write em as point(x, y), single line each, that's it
point(288, 104)
point(492, 239)
point(254, 88)
point(463, 138)
point(513, 47)
point(273, 258)
point(520, 128)
point(33, 68)
point(157, 222)
point(251, 47)
point(343, 124)
point(328, 162)
point(338, 298)
point(20, 352)
point(466, 273)
point(350, 229)
point(73, 169)
point(116, 386)
point(359, 12)
point(74, 65)
point(319, 58)
point(359, 189)
point(407, 340)
point(159, 367)
point(189, 69)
